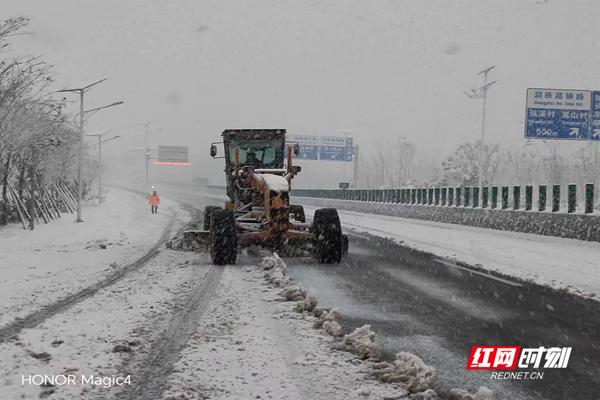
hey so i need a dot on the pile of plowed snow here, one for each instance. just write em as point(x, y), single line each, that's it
point(408, 370)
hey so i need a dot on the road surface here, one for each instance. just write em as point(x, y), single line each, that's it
point(438, 310)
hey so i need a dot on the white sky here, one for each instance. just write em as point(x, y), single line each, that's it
point(380, 69)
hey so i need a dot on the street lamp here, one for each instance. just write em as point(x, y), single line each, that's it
point(481, 93)
point(100, 141)
point(81, 91)
point(147, 149)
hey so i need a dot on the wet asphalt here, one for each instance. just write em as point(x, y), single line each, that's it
point(437, 309)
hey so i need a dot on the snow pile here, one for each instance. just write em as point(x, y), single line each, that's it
point(333, 328)
point(407, 369)
point(361, 342)
point(482, 393)
point(429, 394)
point(295, 293)
point(275, 272)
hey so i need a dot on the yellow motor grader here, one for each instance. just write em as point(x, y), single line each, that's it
point(258, 173)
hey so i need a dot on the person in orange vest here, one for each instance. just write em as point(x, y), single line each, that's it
point(154, 201)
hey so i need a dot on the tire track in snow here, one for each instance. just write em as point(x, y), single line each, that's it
point(45, 312)
point(164, 351)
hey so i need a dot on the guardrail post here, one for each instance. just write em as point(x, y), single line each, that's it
point(528, 197)
point(516, 197)
point(542, 193)
point(555, 198)
point(485, 197)
point(475, 196)
point(437, 196)
point(504, 197)
point(467, 196)
point(494, 201)
point(458, 192)
point(571, 198)
point(444, 196)
point(450, 196)
point(589, 198)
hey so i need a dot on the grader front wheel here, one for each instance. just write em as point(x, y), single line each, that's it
point(223, 237)
point(207, 213)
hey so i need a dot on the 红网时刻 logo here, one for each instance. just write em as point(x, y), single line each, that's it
point(513, 358)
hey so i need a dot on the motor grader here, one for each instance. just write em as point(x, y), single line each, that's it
point(258, 172)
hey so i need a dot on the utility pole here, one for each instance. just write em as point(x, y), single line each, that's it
point(100, 141)
point(481, 93)
point(147, 150)
point(355, 167)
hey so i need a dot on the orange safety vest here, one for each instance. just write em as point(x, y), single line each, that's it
point(154, 200)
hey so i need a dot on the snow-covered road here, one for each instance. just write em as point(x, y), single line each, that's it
point(164, 324)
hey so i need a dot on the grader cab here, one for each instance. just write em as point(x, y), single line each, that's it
point(258, 172)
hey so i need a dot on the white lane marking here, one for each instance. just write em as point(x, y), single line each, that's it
point(505, 281)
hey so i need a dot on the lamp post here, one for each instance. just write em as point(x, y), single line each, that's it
point(147, 150)
point(100, 141)
point(481, 93)
point(81, 92)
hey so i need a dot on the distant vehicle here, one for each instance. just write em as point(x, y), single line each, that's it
point(259, 209)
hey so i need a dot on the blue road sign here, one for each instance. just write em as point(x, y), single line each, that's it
point(335, 148)
point(325, 148)
point(559, 114)
point(309, 146)
point(595, 116)
point(309, 152)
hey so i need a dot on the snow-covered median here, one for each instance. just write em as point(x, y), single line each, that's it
point(566, 264)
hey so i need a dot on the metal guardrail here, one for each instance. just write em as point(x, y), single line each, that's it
point(492, 197)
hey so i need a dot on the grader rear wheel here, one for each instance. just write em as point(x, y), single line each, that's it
point(329, 244)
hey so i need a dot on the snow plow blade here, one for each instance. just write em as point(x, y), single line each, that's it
point(195, 239)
